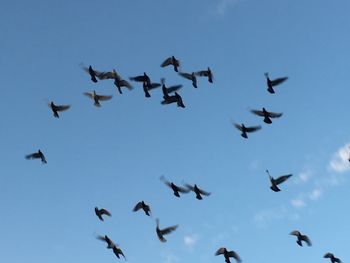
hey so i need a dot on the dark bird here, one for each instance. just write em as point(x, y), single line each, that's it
point(199, 192)
point(332, 258)
point(119, 83)
point(93, 73)
point(266, 114)
point(171, 89)
point(142, 78)
point(301, 238)
point(106, 239)
point(37, 155)
point(143, 206)
point(100, 212)
point(176, 189)
point(171, 61)
point(97, 98)
point(164, 231)
point(56, 108)
point(228, 254)
point(117, 251)
point(206, 73)
point(191, 77)
point(174, 98)
point(245, 129)
point(271, 83)
point(106, 74)
point(277, 181)
point(147, 88)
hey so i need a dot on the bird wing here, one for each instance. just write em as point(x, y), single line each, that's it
point(295, 233)
point(306, 239)
point(282, 178)
point(137, 207)
point(154, 86)
point(101, 97)
point(257, 112)
point(164, 180)
point(106, 212)
point(220, 251)
point(62, 107)
point(32, 156)
point(202, 73)
point(182, 189)
point(138, 78)
point(203, 192)
point(168, 230)
point(234, 255)
point(89, 94)
point(253, 128)
point(125, 83)
point(190, 187)
point(173, 88)
point(167, 62)
point(328, 255)
point(186, 75)
point(239, 127)
point(106, 75)
point(278, 81)
point(274, 114)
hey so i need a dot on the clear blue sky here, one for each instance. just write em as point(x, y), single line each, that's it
point(113, 156)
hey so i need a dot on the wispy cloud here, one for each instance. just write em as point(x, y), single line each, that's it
point(315, 194)
point(339, 162)
point(224, 5)
point(298, 202)
point(304, 176)
point(190, 240)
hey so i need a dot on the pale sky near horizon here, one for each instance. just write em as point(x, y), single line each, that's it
point(113, 156)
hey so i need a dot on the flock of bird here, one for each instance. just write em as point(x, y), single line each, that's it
point(168, 98)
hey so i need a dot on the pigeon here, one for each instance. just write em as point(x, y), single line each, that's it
point(267, 115)
point(106, 239)
point(142, 78)
point(277, 181)
point(119, 83)
point(171, 61)
point(164, 231)
point(171, 89)
point(197, 191)
point(97, 98)
point(100, 212)
point(332, 258)
point(190, 76)
point(245, 129)
point(147, 88)
point(228, 254)
point(272, 83)
point(37, 155)
point(93, 73)
point(173, 98)
point(176, 189)
point(206, 73)
point(56, 108)
point(143, 206)
point(117, 251)
point(301, 238)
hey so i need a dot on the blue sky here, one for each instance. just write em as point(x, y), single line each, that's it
point(113, 156)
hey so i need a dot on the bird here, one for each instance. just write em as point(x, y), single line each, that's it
point(143, 206)
point(301, 238)
point(142, 78)
point(119, 83)
point(117, 251)
point(107, 75)
point(173, 98)
point(277, 181)
point(100, 212)
point(176, 189)
point(271, 83)
point(199, 192)
point(245, 129)
point(190, 76)
point(147, 88)
point(266, 114)
point(97, 98)
point(164, 231)
point(228, 254)
point(206, 73)
point(171, 89)
point(105, 238)
point(37, 155)
point(93, 73)
point(171, 61)
point(332, 258)
point(56, 108)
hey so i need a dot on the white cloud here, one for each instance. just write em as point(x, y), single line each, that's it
point(190, 240)
point(225, 4)
point(298, 202)
point(339, 162)
point(270, 214)
point(305, 176)
point(315, 194)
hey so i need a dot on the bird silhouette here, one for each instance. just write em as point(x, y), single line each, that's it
point(272, 83)
point(176, 189)
point(142, 78)
point(119, 82)
point(332, 258)
point(190, 76)
point(100, 212)
point(199, 192)
point(171, 61)
point(277, 181)
point(168, 99)
point(166, 90)
point(97, 98)
point(164, 231)
point(266, 114)
point(93, 73)
point(117, 251)
point(105, 238)
point(56, 108)
point(37, 155)
point(228, 254)
point(206, 73)
point(301, 238)
point(143, 206)
point(147, 88)
point(244, 130)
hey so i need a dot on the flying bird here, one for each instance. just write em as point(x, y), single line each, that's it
point(147, 88)
point(228, 254)
point(37, 155)
point(266, 114)
point(271, 83)
point(171, 61)
point(206, 73)
point(100, 212)
point(301, 238)
point(143, 206)
point(119, 83)
point(244, 130)
point(190, 76)
point(93, 73)
point(142, 78)
point(199, 192)
point(176, 189)
point(171, 89)
point(164, 231)
point(277, 181)
point(97, 98)
point(332, 258)
point(56, 108)
point(117, 251)
point(172, 99)
point(105, 238)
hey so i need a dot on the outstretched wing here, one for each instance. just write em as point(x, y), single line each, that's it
point(62, 107)
point(295, 233)
point(257, 112)
point(307, 240)
point(186, 75)
point(126, 84)
point(173, 88)
point(164, 180)
point(168, 230)
point(282, 178)
point(167, 62)
point(202, 73)
point(105, 212)
point(278, 81)
point(253, 128)
point(274, 114)
point(203, 192)
point(239, 127)
point(101, 97)
point(220, 251)
point(32, 156)
point(137, 207)
point(89, 94)
point(234, 255)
